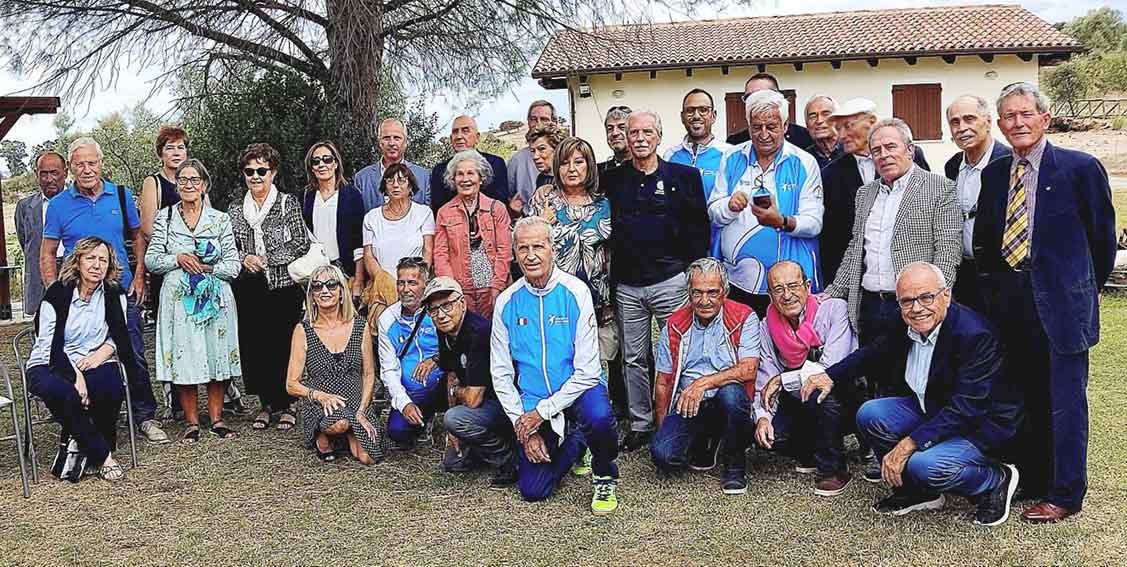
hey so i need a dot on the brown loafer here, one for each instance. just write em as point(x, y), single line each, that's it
point(833, 484)
point(1046, 512)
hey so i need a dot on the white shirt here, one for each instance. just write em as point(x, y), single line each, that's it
point(866, 168)
point(391, 241)
point(918, 366)
point(325, 223)
point(969, 183)
point(879, 274)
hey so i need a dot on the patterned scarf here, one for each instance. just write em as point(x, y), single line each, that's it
point(201, 292)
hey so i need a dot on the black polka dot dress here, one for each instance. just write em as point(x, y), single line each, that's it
point(340, 374)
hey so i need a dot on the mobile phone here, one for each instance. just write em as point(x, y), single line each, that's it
point(762, 201)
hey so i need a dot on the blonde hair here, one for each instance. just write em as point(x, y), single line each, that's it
point(70, 273)
point(344, 306)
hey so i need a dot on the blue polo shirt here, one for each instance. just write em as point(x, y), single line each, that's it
point(72, 216)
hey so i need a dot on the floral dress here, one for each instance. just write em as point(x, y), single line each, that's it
point(581, 234)
point(197, 338)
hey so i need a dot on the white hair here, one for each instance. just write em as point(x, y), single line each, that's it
point(531, 221)
point(645, 112)
point(767, 100)
point(981, 106)
point(402, 124)
point(484, 170)
point(900, 126)
point(1022, 89)
point(935, 269)
point(707, 265)
point(84, 141)
point(809, 101)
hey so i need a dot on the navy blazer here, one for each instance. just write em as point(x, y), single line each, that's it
point(951, 168)
point(967, 394)
point(350, 224)
point(1073, 247)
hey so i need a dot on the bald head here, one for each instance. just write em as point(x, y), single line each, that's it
point(789, 289)
point(463, 133)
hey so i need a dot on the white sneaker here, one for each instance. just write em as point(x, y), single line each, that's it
point(152, 431)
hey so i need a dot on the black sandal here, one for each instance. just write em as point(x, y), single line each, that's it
point(191, 434)
point(328, 456)
point(220, 430)
point(286, 424)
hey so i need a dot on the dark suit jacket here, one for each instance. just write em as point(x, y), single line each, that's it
point(796, 135)
point(29, 231)
point(1073, 247)
point(967, 394)
point(498, 187)
point(951, 168)
point(350, 223)
point(840, 181)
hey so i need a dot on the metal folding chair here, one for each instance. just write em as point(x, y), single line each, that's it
point(42, 415)
point(10, 403)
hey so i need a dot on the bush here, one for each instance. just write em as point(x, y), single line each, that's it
point(1067, 82)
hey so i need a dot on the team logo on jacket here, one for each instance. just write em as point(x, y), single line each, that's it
point(557, 320)
point(660, 188)
point(522, 321)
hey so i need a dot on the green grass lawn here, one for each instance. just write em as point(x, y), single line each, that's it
point(262, 500)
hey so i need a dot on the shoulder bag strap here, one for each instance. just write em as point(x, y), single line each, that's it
point(411, 337)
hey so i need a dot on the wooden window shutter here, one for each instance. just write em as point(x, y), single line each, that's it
point(735, 121)
point(920, 106)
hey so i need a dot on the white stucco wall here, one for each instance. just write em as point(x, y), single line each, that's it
point(855, 78)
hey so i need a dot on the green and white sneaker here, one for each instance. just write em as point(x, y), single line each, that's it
point(604, 501)
point(582, 467)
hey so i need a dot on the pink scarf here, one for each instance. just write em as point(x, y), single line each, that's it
point(794, 344)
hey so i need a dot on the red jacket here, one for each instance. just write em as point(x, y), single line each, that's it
point(452, 241)
point(681, 321)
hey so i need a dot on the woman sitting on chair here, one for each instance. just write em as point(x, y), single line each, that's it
point(331, 348)
point(81, 324)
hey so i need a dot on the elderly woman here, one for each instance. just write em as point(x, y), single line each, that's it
point(542, 143)
point(81, 324)
point(330, 349)
point(334, 211)
point(269, 234)
point(193, 248)
point(472, 239)
point(401, 228)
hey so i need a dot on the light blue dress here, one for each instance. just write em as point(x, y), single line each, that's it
point(197, 327)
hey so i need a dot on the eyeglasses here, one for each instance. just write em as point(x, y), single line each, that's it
point(398, 180)
point(926, 299)
point(712, 294)
point(189, 181)
point(318, 285)
point(318, 160)
point(446, 307)
point(251, 171)
point(701, 110)
point(792, 287)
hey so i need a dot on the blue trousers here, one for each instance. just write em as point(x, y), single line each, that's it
point(484, 431)
point(94, 427)
point(727, 415)
point(140, 386)
point(878, 317)
point(596, 426)
point(954, 465)
point(814, 429)
point(429, 400)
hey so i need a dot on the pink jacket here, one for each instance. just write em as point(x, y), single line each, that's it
point(452, 241)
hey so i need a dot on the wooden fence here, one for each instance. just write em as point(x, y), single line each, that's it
point(1093, 108)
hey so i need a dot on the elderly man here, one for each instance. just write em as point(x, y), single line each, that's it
point(615, 126)
point(707, 352)
point(795, 134)
point(841, 179)
point(464, 136)
point(767, 203)
point(818, 122)
point(392, 134)
point(954, 406)
point(801, 336)
point(541, 391)
point(661, 226)
point(31, 214)
point(94, 206)
point(1044, 241)
point(476, 423)
point(522, 170)
point(699, 148)
point(970, 122)
point(408, 351)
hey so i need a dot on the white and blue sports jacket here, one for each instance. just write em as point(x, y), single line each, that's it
point(706, 159)
point(545, 347)
point(394, 329)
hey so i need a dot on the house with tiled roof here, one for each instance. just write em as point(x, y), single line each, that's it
point(912, 62)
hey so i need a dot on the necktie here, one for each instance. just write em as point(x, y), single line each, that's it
point(1015, 240)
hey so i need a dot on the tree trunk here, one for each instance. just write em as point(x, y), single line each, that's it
point(355, 67)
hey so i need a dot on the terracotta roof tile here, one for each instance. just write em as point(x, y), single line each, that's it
point(948, 30)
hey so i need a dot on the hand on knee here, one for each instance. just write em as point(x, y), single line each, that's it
point(337, 428)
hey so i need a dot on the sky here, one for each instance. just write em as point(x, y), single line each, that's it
point(135, 86)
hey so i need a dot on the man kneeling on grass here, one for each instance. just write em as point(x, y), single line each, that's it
point(708, 350)
point(801, 336)
point(546, 371)
point(955, 409)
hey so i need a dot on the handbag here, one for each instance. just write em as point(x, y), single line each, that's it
point(69, 462)
point(302, 269)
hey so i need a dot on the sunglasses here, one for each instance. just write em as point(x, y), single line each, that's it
point(251, 172)
point(318, 160)
point(331, 285)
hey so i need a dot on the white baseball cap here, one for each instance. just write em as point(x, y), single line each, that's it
point(855, 106)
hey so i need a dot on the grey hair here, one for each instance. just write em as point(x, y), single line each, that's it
point(935, 269)
point(763, 101)
point(646, 112)
point(84, 141)
point(900, 125)
point(1021, 89)
point(833, 103)
point(983, 107)
point(529, 222)
point(196, 165)
point(46, 153)
point(414, 263)
point(379, 129)
point(484, 170)
point(617, 113)
point(707, 265)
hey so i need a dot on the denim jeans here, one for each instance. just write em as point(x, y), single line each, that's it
point(953, 465)
point(727, 415)
point(596, 426)
point(429, 400)
point(484, 432)
point(140, 386)
point(814, 429)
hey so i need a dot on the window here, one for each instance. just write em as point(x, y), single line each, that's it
point(736, 117)
point(919, 106)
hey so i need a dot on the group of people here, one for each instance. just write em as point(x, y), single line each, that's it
point(808, 284)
